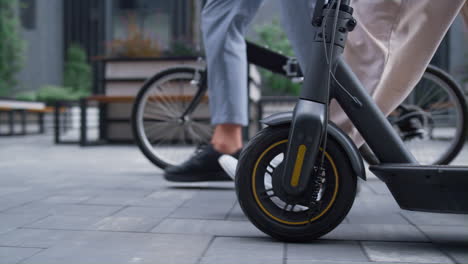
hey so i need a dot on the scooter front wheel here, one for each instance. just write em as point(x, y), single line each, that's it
point(261, 196)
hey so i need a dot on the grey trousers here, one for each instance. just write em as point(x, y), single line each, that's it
point(389, 49)
point(223, 25)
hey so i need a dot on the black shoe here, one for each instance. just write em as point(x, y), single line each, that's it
point(203, 166)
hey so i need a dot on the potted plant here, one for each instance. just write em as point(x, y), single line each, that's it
point(130, 62)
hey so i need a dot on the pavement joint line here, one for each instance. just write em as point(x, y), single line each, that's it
point(180, 206)
point(118, 211)
point(285, 253)
point(35, 221)
point(363, 250)
point(102, 205)
point(363, 185)
point(154, 226)
point(231, 210)
point(410, 222)
point(203, 219)
point(13, 207)
point(86, 230)
point(9, 246)
point(160, 221)
point(206, 249)
point(429, 239)
point(26, 258)
point(90, 198)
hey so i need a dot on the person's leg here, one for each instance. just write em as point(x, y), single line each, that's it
point(391, 62)
point(223, 25)
point(389, 49)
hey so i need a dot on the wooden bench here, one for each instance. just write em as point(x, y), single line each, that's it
point(102, 101)
point(22, 108)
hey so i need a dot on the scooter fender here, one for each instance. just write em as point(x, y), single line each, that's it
point(337, 134)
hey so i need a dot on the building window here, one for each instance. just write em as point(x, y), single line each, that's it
point(151, 18)
point(28, 14)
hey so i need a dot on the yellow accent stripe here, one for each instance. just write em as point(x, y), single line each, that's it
point(254, 174)
point(298, 166)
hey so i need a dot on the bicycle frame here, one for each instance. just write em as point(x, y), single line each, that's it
point(309, 124)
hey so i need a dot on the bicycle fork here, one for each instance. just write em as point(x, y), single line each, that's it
point(309, 124)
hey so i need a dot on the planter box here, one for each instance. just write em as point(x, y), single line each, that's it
point(125, 77)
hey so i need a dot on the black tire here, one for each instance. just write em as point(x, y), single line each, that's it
point(153, 152)
point(292, 226)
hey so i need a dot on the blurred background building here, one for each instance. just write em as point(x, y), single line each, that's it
point(51, 27)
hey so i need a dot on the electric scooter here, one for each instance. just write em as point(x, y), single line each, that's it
point(296, 179)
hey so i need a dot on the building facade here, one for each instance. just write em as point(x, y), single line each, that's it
point(50, 27)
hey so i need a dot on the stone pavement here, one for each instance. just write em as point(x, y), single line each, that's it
point(107, 204)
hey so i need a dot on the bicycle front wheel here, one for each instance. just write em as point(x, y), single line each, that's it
point(170, 117)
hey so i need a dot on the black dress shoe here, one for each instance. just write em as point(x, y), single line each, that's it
point(203, 166)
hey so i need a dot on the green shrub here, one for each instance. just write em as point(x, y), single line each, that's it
point(182, 48)
point(27, 96)
point(11, 46)
point(52, 93)
point(273, 37)
point(77, 73)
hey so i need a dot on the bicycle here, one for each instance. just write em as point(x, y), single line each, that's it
point(170, 116)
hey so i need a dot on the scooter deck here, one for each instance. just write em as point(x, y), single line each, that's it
point(441, 189)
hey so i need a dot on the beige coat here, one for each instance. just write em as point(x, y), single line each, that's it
point(392, 45)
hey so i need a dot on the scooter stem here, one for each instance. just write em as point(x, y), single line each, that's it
point(308, 127)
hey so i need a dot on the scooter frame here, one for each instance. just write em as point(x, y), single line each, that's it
point(309, 125)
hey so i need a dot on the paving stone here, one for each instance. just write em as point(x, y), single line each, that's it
point(453, 240)
point(10, 202)
point(40, 238)
point(115, 247)
point(234, 250)
point(165, 198)
point(302, 261)
point(371, 217)
point(218, 211)
point(457, 252)
point(116, 198)
point(376, 204)
point(138, 219)
point(12, 221)
point(236, 214)
point(210, 197)
point(67, 222)
point(13, 190)
point(104, 200)
point(208, 227)
point(65, 209)
point(326, 250)
point(378, 187)
point(376, 232)
point(446, 234)
point(420, 218)
point(67, 199)
point(404, 252)
point(15, 254)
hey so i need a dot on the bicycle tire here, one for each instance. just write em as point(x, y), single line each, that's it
point(463, 127)
point(461, 134)
point(140, 136)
